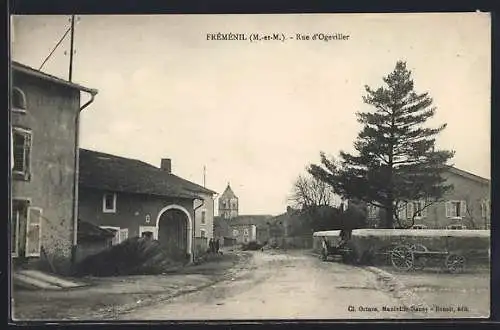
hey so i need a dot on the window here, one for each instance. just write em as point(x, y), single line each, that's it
point(235, 232)
point(455, 209)
point(21, 151)
point(485, 208)
point(202, 233)
point(419, 209)
point(34, 232)
point(372, 211)
point(121, 234)
point(19, 214)
point(148, 229)
point(18, 100)
point(245, 231)
point(109, 203)
point(203, 214)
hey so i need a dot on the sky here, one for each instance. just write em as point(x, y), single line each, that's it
point(255, 114)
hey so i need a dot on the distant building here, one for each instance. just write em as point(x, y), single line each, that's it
point(44, 158)
point(228, 204)
point(244, 233)
point(467, 206)
point(229, 226)
point(137, 199)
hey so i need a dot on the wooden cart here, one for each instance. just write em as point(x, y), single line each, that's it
point(407, 257)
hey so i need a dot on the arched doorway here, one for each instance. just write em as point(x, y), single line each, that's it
point(174, 231)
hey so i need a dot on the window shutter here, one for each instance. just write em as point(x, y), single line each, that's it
point(448, 209)
point(463, 208)
point(423, 209)
point(34, 232)
point(409, 210)
point(401, 212)
point(27, 155)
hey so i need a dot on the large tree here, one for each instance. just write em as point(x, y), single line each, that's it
point(309, 192)
point(395, 161)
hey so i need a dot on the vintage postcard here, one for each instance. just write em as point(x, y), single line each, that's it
point(250, 167)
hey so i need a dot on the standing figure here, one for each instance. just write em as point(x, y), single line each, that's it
point(211, 246)
point(217, 246)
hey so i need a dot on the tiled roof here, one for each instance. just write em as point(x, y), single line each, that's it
point(87, 230)
point(257, 220)
point(113, 173)
point(228, 193)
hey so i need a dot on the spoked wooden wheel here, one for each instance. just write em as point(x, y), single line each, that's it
point(455, 263)
point(402, 258)
point(420, 260)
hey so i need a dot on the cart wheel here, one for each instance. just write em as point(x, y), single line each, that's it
point(419, 261)
point(402, 258)
point(455, 263)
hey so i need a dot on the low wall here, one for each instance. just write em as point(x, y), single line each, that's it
point(473, 244)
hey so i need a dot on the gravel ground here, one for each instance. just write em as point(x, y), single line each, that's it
point(107, 297)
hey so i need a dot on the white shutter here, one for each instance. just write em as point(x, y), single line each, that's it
point(401, 212)
point(423, 208)
point(463, 208)
point(409, 210)
point(448, 209)
point(123, 234)
point(34, 232)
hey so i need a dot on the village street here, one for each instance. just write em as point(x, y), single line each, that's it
point(284, 286)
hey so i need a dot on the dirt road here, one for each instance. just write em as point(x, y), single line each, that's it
point(284, 286)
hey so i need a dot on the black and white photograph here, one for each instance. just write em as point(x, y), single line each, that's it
point(250, 167)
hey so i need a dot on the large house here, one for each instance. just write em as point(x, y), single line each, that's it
point(136, 199)
point(466, 206)
point(44, 115)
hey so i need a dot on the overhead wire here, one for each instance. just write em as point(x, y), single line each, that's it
point(55, 47)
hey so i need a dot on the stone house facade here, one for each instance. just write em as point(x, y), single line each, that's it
point(467, 206)
point(45, 112)
point(137, 199)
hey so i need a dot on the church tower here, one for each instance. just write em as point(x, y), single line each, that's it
point(228, 204)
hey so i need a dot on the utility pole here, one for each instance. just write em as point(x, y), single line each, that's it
point(71, 51)
point(204, 176)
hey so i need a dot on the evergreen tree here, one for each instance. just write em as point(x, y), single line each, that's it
point(396, 162)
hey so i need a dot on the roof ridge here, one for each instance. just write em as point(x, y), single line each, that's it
point(43, 75)
point(117, 156)
point(459, 171)
point(191, 183)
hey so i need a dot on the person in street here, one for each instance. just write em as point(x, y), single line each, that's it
point(324, 249)
point(211, 246)
point(217, 246)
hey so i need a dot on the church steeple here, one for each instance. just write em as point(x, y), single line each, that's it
point(228, 203)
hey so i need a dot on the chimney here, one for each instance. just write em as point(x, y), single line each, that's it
point(166, 164)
